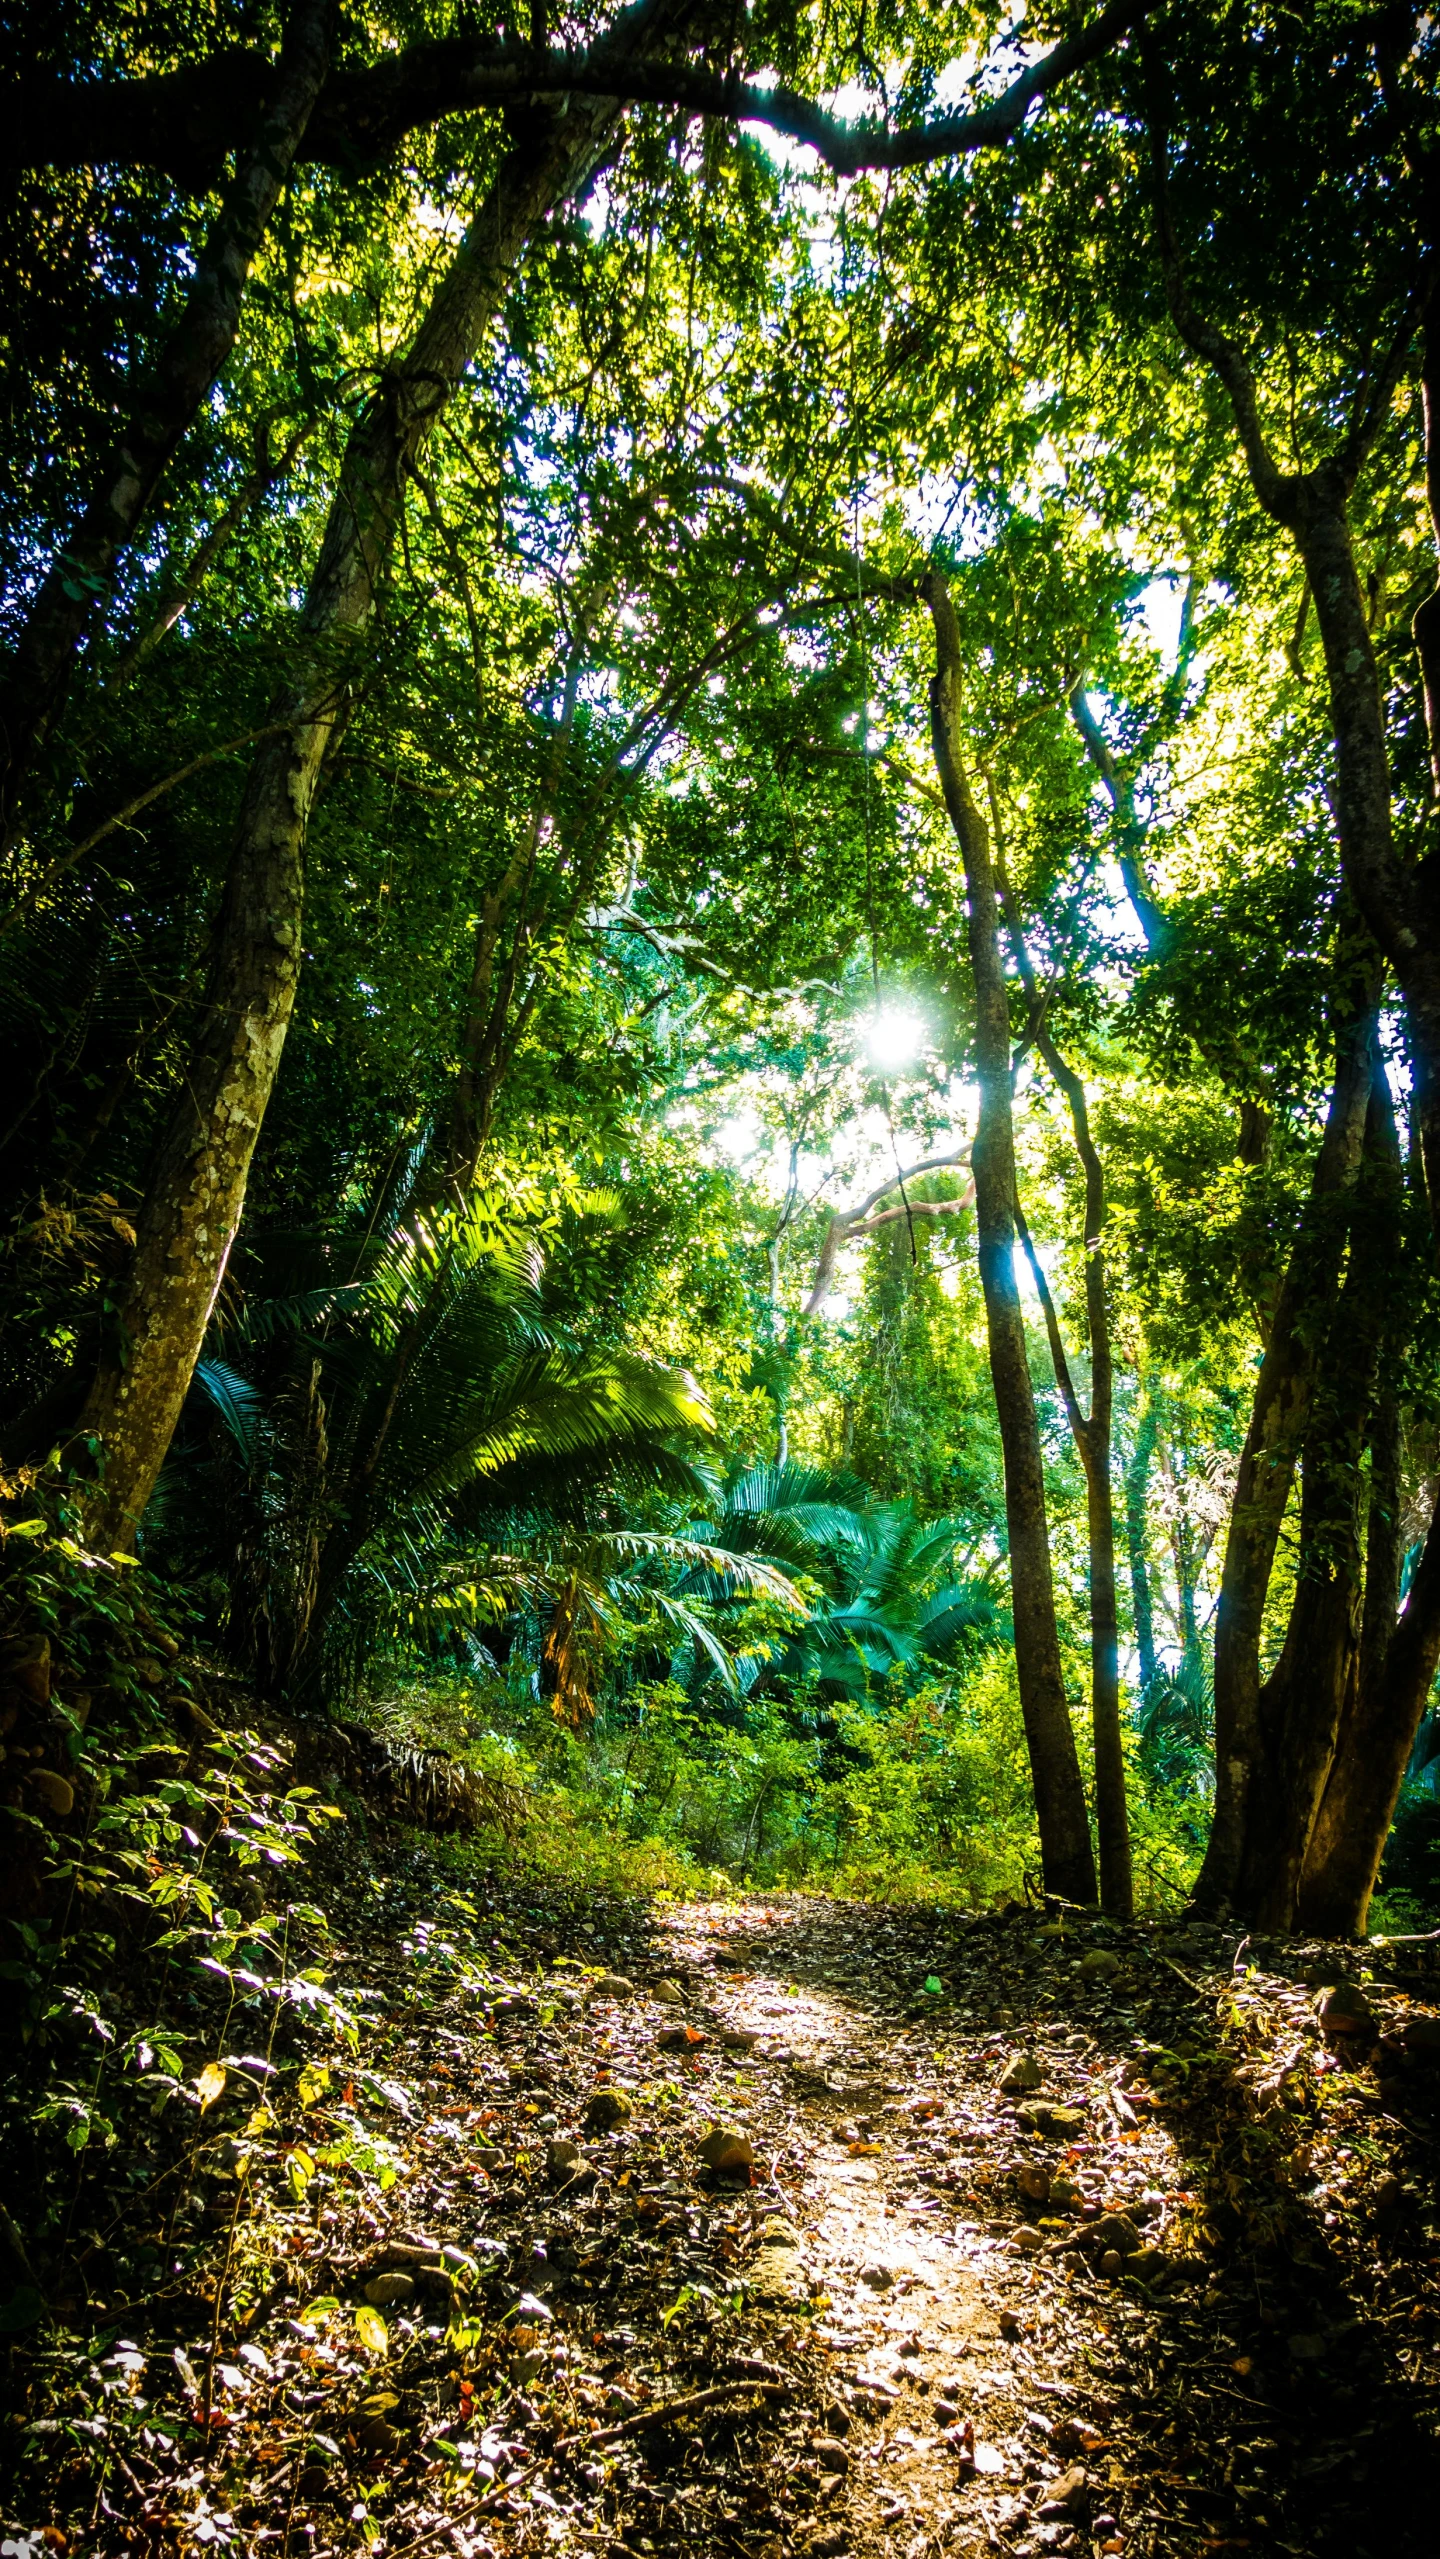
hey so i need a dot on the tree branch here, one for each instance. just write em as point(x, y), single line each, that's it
point(185, 121)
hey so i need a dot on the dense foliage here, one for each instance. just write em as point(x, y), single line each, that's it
point(605, 686)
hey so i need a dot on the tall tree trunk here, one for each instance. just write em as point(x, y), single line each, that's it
point(1278, 1423)
point(1391, 892)
point(1066, 1855)
point(1093, 1436)
point(192, 1206)
point(1137, 1484)
point(165, 409)
point(1426, 625)
point(1313, 1688)
point(1348, 1839)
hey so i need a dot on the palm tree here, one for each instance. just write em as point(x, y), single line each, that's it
point(361, 1400)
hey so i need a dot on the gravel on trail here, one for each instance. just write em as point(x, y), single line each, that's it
point(780, 2226)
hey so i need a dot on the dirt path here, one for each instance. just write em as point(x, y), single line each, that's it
point(1173, 2297)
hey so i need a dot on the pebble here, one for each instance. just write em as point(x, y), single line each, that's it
point(383, 2291)
point(1345, 2010)
point(607, 2110)
point(613, 1986)
point(1099, 1965)
point(727, 2150)
point(1019, 2075)
point(669, 1994)
point(830, 2454)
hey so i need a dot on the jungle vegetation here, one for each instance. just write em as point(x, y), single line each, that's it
point(721, 974)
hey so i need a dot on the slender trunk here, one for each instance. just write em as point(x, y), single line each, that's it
point(1117, 1891)
point(1067, 1859)
point(165, 409)
point(196, 1192)
point(1137, 1482)
point(1278, 1423)
point(1426, 625)
point(1313, 1688)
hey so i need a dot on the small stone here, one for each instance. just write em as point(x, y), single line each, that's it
point(1028, 2239)
point(944, 2412)
point(1112, 2263)
point(385, 2291)
point(878, 2277)
point(613, 1986)
point(1054, 2123)
point(486, 2155)
point(1345, 2010)
point(727, 2150)
point(777, 2275)
point(608, 2109)
point(1099, 1965)
point(1020, 2074)
point(54, 1790)
point(1114, 2230)
point(1065, 2497)
point(830, 2454)
point(1145, 2264)
point(1011, 2324)
point(564, 2157)
point(1034, 2183)
point(738, 2039)
point(669, 1994)
point(1420, 2037)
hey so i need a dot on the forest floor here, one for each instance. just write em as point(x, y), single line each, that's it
point(478, 2290)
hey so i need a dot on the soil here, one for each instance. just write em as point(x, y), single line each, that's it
point(1175, 2296)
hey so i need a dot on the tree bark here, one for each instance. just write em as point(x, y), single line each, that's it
point(196, 1191)
point(1396, 897)
point(1137, 1482)
point(1348, 1840)
point(165, 409)
point(1066, 1856)
point(1313, 1688)
point(1426, 625)
point(1279, 1419)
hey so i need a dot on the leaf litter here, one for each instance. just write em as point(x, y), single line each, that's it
point(763, 2227)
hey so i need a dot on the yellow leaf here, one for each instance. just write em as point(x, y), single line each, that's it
point(314, 2080)
point(371, 2330)
point(260, 2121)
point(210, 2085)
point(299, 2169)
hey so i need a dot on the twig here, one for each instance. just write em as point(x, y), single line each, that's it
point(132, 808)
point(665, 2412)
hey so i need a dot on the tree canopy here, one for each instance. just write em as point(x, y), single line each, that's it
point(721, 976)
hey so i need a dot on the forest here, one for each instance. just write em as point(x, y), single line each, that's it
point(719, 802)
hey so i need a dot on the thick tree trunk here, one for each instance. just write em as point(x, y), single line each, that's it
point(1066, 1854)
point(1137, 1484)
point(1278, 1423)
point(1348, 1839)
point(166, 408)
point(1314, 1686)
point(196, 1192)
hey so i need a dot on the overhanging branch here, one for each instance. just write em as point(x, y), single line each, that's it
point(186, 121)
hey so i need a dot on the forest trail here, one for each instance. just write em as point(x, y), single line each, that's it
point(486, 2293)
